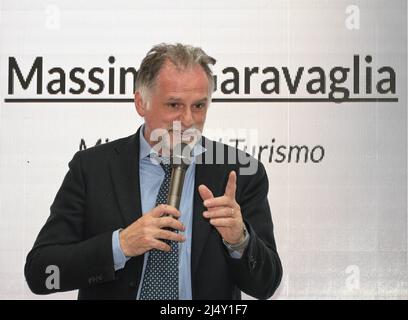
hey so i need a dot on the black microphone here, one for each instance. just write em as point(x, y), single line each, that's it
point(180, 160)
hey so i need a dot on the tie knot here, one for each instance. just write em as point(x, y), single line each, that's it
point(163, 161)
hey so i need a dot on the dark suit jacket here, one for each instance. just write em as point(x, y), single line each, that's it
point(101, 193)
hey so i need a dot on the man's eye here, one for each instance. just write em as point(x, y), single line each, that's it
point(200, 105)
point(173, 105)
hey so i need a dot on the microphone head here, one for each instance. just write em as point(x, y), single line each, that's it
point(181, 155)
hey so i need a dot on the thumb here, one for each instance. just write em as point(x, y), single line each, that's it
point(204, 192)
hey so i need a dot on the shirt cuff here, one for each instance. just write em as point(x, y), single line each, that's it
point(119, 258)
point(237, 254)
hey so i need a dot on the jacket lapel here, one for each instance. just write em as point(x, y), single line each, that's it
point(124, 169)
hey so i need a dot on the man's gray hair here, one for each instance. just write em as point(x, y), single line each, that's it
point(182, 56)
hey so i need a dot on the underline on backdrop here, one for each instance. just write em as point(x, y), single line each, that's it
point(214, 100)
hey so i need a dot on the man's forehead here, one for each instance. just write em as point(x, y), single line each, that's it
point(172, 77)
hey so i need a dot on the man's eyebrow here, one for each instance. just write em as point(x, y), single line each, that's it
point(177, 99)
point(205, 99)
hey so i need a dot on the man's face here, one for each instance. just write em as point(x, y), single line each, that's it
point(180, 99)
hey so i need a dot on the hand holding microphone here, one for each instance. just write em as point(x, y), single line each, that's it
point(147, 232)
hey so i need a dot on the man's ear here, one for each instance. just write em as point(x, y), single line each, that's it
point(140, 104)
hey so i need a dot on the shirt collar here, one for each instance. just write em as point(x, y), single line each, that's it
point(146, 149)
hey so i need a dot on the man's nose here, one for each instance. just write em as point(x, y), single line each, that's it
point(187, 118)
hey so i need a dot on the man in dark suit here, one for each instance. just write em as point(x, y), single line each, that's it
point(109, 233)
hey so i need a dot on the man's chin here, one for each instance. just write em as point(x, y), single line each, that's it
point(190, 137)
point(169, 139)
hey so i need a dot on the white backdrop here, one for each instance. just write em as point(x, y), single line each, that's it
point(340, 223)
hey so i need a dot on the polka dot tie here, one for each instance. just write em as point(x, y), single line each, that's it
point(161, 277)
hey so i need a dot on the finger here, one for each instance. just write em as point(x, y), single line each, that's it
point(204, 192)
point(231, 185)
point(165, 209)
point(223, 201)
point(224, 212)
point(160, 245)
point(169, 235)
point(168, 222)
point(222, 222)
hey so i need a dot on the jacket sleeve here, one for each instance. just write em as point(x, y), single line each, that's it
point(259, 272)
point(76, 261)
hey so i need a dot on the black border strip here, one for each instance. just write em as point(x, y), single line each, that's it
point(214, 100)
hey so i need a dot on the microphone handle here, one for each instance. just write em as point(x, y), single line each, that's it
point(176, 186)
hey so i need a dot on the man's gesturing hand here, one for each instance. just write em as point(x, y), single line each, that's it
point(224, 212)
point(144, 234)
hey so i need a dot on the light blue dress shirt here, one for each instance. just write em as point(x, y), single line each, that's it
point(151, 176)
